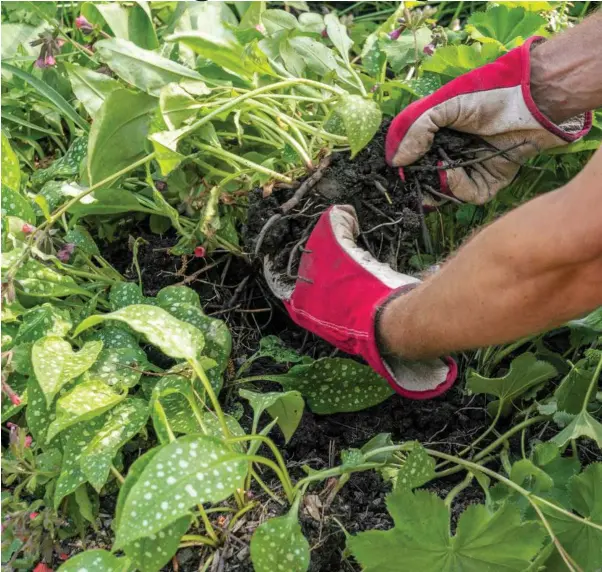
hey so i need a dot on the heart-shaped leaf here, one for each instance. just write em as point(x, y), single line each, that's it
point(286, 408)
point(175, 338)
point(55, 363)
point(95, 561)
point(191, 470)
point(361, 118)
point(123, 422)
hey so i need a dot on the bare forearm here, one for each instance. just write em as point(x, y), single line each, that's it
point(531, 270)
point(566, 72)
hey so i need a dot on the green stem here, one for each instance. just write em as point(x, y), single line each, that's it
point(117, 474)
point(485, 433)
point(266, 489)
point(458, 489)
point(208, 526)
point(290, 494)
point(157, 405)
point(510, 348)
point(337, 471)
point(592, 385)
point(195, 539)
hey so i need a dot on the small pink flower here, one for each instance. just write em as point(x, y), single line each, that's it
point(28, 441)
point(429, 49)
point(64, 254)
point(60, 43)
point(15, 399)
point(40, 63)
point(63, 556)
point(49, 60)
point(41, 567)
point(395, 33)
point(260, 28)
point(33, 515)
point(82, 24)
point(199, 252)
point(27, 228)
point(11, 425)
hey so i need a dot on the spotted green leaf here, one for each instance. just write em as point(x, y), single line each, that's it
point(95, 561)
point(43, 320)
point(38, 413)
point(90, 87)
point(37, 279)
point(418, 468)
point(114, 336)
point(18, 383)
point(177, 295)
point(286, 408)
point(335, 385)
point(118, 367)
point(125, 294)
point(11, 173)
point(74, 441)
point(279, 544)
point(79, 236)
point(14, 204)
point(191, 470)
point(175, 338)
point(85, 401)
point(67, 166)
point(123, 422)
point(55, 363)
point(273, 347)
point(362, 119)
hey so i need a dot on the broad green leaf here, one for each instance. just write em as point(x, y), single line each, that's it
point(165, 145)
point(337, 33)
point(123, 422)
point(111, 13)
point(55, 363)
point(79, 236)
point(274, 348)
point(16, 37)
point(454, 61)
point(582, 425)
point(195, 468)
point(43, 320)
point(68, 166)
point(37, 279)
point(526, 371)
point(118, 367)
point(275, 21)
point(90, 87)
point(49, 93)
point(125, 294)
point(571, 392)
point(508, 26)
point(335, 385)
point(85, 401)
point(593, 321)
point(524, 469)
point(14, 204)
point(286, 408)
point(11, 173)
point(317, 57)
point(95, 561)
point(407, 49)
point(417, 469)
point(175, 338)
point(141, 30)
point(177, 295)
point(38, 414)
point(145, 69)
point(361, 118)
point(280, 542)
point(87, 507)
point(177, 105)
point(118, 134)
point(114, 336)
point(420, 539)
point(74, 441)
point(108, 201)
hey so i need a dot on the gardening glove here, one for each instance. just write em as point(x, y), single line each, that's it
point(493, 102)
point(338, 294)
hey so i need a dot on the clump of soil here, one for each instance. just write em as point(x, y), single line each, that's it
point(389, 209)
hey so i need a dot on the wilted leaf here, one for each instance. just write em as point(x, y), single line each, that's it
point(55, 363)
point(362, 119)
point(195, 468)
point(95, 561)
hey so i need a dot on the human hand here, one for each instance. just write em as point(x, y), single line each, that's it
point(338, 294)
point(494, 102)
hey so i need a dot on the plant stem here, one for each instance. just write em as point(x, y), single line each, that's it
point(195, 539)
point(458, 489)
point(266, 489)
point(208, 526)
point(592, 385)
point(117, 474)
point(289, 491)
point(161, 411)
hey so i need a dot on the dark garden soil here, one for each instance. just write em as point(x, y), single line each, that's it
point(447, 423)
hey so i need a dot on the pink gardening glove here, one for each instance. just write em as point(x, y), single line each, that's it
point(337, 295)
point(493, 102)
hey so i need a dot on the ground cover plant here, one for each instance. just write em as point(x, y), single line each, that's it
point(159, 409)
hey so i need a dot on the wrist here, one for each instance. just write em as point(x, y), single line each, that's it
point(546, 87)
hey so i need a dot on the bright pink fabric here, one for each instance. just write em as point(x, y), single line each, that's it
point(340, 303)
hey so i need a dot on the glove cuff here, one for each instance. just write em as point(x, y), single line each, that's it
point(412, 379)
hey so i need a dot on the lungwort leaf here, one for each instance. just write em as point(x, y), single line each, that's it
point(420, 539)
point(96, 561)
point(175, 338)
point(191, 470)
point(15, 204)
point(361, 118)
point(11, 174)
point(338, 36)
point(43, 320)
point(55, 363)
point(417, 469)
point(38, 279)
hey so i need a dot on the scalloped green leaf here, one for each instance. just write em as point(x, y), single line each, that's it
point(506, 26)
point(286, 408)
point(11, 173)
point(195, 468)
point(43, 320)
point(175, 338)
point(55, 363)
point(279, 542)
point(14, 204)
point(454, 61)
point(361, 118)
point(581, 425)
point(95, 561)
point(123, 422)
point(85, 401)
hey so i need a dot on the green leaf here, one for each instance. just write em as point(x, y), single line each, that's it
point(55, 363)
point(571, 392)
point(14, 204)
point(195, 468)
point(170, 295)
point(115, 16)
point(114, 336)
point(361, 118)
point(79, 236)
point(123, 422)
point(526, 371)
point(18, 384)
point(286, 408)
point(85, 401)
point(335, 385)
point(95, 561)
point(43, 320)
point(67, 166)
point(175, 338)
point(48, 92)
point(420, 539)
point(317, 57)
point(279, 542)
point(524, 469)
point(273, 347)
point(108, 201)
point(145, 69)
point(140, 26)
point(125, 294)
point(118, 367)
point(37, 414)
point(275, 21)
point(11, 173)
point(454, 61)
point(90, 87)
point(337, 33)
point(417, 469)
point(407, 49)
point(508, 26)
point(177, 105)
point(118, 134)
point(592, 322)
point(37, 279)
point(582, 425)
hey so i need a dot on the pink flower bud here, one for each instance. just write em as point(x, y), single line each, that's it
point(49, 60)
point(11, 425)
point(40, 63)
point(64, 254)
point(395, 34)
point(41, 567)
point(324, 33)
point(60, 43)
point(82, 24)
point(33, 515)
point(199, 252)
point(429, 49)
point(27, 228)
point(28, 441)
point(15, 399)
